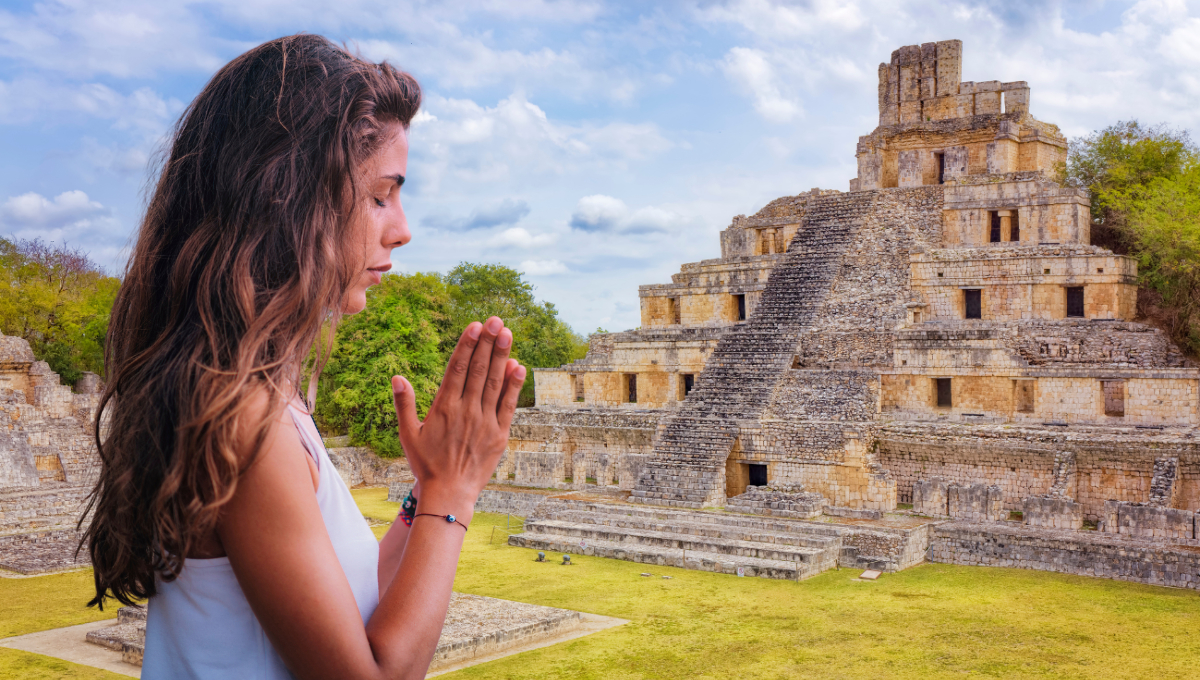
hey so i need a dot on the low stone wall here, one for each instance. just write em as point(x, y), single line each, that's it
point(1082, 553)
point(359, 466)
point(1143, 520)
point(41, 507)
point(929, 497)
point(886, 549)
point(490, 500)
point(1052, 513)
point(976, 502)
point(545, 469)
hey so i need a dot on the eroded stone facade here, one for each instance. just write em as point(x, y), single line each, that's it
point(943, 334)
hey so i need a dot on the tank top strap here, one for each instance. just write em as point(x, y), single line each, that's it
point(310, 441)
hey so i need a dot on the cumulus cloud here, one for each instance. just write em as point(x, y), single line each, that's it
point(33, 210)
point(462, 140)
point(517, 237)
point(751, 72)
point(70, 217)
point(494, 214)
point(600, 213)
point(543, 267)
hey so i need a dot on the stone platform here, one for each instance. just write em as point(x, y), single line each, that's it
point(723, 542)
point(476, 629)
point(42, 552)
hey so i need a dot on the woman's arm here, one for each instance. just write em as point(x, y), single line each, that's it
point(391, 548)
point(277, 544)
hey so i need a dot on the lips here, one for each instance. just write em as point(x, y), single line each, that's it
point(376, 272)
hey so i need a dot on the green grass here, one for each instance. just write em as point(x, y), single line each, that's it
point(932, 621)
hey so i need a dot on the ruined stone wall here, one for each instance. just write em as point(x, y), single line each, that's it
point(594, 444)
point(1083, 553)
point(1026, 283)
point(1021, 461)
point(1045, 211)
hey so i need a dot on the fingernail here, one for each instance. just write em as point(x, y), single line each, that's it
point(519, 374)
point(474, 330)
point(494, 325)
point(505, 339)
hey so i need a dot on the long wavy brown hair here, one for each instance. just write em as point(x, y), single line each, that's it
point(239, 261)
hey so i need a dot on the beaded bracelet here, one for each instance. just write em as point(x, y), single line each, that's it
point(408, 509)
point(450, 519)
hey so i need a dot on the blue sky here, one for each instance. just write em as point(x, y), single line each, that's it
point(594, 145)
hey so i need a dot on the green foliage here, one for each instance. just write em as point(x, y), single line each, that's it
point(411, 325)
point(540, 338)
point(1145, 202)
point(1165, 225)
point(401, 332)
point(59, 301)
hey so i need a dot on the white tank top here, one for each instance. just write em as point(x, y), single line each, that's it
point(201, 626)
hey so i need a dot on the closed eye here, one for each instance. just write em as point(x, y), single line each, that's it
point(380, 203)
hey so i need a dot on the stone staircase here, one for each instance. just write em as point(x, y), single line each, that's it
point(703, 541)
point(691, 446)
point(127, 635)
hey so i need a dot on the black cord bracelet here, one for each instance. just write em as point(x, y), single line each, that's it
point(450, 519)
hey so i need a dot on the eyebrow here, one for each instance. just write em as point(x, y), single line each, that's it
point(399, 179)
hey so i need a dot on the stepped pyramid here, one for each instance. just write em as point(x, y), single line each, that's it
point(944, 319)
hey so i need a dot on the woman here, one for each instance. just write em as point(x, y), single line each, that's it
point(278, 206)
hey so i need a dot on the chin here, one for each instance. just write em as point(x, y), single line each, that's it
point(356, 301)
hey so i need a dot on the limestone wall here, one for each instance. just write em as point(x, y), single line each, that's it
point(1083, 553)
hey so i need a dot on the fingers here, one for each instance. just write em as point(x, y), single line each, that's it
point(481, 361)
point(498, 370)
point(460, 362)
point(512, 390)
point(405, 401)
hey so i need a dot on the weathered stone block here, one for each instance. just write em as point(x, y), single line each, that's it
point(1052, 513)
point(976, 502)
point(544, 469)
point(930, 497)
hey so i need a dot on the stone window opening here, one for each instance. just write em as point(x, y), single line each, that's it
point(973, 303)
point(577, 380)
point(686, 382)
point(740, 300)
point(1075, 308)
point(1114, 397)
point(942, 387)
point(758, 474)
point(994, 226)
point(941, 167)
point(1024, 395)
point(796, 363)
point(1100, 270)
point(1015, 229)
point(631, 388)
point(673, 310)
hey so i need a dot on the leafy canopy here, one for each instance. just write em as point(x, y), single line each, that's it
point(59, 301)
point(1145, 187)
point(410, 326)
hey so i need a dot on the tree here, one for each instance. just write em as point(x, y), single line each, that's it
point(1116, 165)
point(59, 301)
point(540, 338)
point(1145, 203)
point(1164, 223)
point(410, 326)
point(402, 331)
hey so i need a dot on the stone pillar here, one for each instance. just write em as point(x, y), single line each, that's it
point(1005, 225)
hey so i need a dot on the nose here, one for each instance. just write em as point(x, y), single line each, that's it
point(397, 233)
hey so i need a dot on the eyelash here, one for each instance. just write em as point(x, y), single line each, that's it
point(380, 203)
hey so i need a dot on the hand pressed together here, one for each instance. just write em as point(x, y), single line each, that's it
point(454, 452)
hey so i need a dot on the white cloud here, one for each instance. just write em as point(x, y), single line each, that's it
point(600, 213)
point(465, 141)
point(543, 267)
point(491, 214)
point(751, 71)
point(69, 218)
point(518, 237)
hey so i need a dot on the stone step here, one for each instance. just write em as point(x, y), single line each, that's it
point(590, 533)
point(698, 529)
point(674, 557)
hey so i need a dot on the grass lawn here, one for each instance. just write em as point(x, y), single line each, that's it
point(932, 621)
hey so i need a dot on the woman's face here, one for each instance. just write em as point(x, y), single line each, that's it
point(381, 221)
